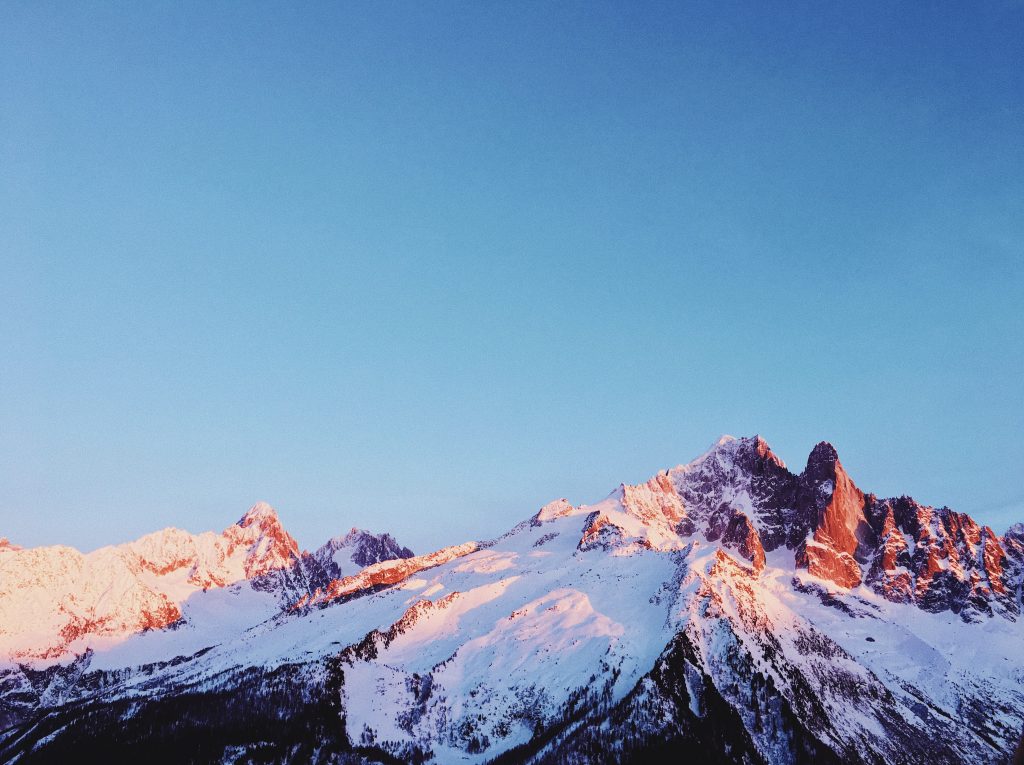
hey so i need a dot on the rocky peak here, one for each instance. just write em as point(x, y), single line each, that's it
point(62, 597)
point(719, 453)
point(552, 510)
point(740, 495)
point(940, 559)
point(821, 462)
point(6, 544)
point(764, 451)
point(261, 514)
point(1013, 541)
point(730, 454)
point(738, 485)
point(341, 555)
point(741, 475)
point(832, 495)
point(729, 450)
point(270, 547)
point(1014, 538)
point(1013, 545)
point(375, 548)
point(835, 507)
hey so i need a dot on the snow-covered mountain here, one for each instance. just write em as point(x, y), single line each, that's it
point(56, 600)
point(727, 610)
point(344, 555)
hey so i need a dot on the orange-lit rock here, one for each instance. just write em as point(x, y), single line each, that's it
point(839, 521)
point(383, 574)
point(742, 535)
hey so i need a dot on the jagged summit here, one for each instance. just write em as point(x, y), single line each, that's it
point(822, 460)
point(260, 514)
point(355, 536)
point(724, 444)
point(739, 494)
point(343, 555)
point(727, 449)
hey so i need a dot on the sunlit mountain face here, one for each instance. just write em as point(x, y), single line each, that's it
point(729, 610)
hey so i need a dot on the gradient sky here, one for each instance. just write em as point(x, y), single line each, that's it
point(424, 267)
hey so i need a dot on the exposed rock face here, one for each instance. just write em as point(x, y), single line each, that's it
point(56, 601)
point(890, 570)
point(744, 474)
point(655, 502)
point(741, 474)
point(382, 574)
point(344, 555)
point(741, 490)
point(940, 559)
point(599, 531)
point(742, 535)
point(1013, 544)
point(837, 507)
point(267, 545)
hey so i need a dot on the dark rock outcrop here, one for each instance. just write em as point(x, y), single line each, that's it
point(830, 497)
point(742, 536)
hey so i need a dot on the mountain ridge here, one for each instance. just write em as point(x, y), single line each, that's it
point(150, 578)
point(727, 609)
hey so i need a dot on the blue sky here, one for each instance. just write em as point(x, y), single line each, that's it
point(424, 267)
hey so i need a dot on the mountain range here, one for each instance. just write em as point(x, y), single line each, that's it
point(729, 610)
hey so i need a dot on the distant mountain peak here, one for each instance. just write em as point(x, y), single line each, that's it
point(822, 457)
point(727, 449)
point(260, 514)
point(358, 548)
point(354, 535)
point(552, 510)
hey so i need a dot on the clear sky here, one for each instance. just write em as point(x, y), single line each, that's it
point(424, 267)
